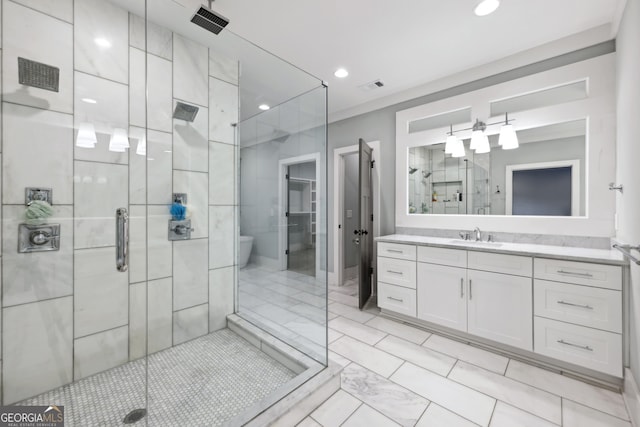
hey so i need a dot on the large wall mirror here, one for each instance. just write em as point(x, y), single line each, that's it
point(555, 181)
point(543, 176)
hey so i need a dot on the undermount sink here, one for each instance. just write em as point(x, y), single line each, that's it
point(476, 243)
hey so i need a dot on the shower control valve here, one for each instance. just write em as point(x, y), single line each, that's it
point(180, 229)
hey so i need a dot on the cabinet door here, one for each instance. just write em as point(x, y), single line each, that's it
point(500, 308)
point(442, 295)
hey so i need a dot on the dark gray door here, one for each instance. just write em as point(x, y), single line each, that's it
point(365, 233)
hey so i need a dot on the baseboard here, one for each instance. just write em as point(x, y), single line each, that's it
point(631, 397)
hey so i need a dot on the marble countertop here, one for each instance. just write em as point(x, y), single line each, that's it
point(605, 256)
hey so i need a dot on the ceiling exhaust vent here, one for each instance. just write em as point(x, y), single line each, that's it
point(209, 20)
point(376, 84)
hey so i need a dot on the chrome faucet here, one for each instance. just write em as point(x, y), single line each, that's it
point(478, 234)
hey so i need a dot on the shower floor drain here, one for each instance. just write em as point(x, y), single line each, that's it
point(135, 416)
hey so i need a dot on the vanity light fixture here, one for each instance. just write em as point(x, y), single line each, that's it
point(486, 7)
point(86, 136)
point(141, 149)
point(119, 141)
point(450, 145)
point(508, 138)
point(458, 149)
point(264, 107)
point(479, 139)
point(341, 73)
point(89, 100)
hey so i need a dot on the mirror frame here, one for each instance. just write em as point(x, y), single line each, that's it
point(598, 110)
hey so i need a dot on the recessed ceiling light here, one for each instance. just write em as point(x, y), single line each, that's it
point(486, 7)
point(341, 73)
point(102, 42)
point(263, 107)
point(89, 101)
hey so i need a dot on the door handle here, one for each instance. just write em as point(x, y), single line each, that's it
point(461, 287)
point(470, 293)
point(122, 239)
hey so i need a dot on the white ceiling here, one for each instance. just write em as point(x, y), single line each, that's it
point(406, 44)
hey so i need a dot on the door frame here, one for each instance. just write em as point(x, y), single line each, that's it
point(283, 165)
point(335, 278)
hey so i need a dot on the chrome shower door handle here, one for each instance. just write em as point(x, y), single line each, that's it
point(122, 239)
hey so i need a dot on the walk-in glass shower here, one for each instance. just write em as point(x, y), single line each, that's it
point(134, 156)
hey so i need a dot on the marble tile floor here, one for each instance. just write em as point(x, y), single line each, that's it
point(289, 305)
point(398, 375)
point(203, 382)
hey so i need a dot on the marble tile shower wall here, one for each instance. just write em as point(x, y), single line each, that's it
point(69, 314)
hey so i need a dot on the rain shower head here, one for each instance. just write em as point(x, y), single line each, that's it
point(412, 170)
point(37, 74)
point(209, 20)
point(185, 111)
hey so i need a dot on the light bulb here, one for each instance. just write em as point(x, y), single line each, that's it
point(450, 145)
point(483, 145)
point(141, 150)
point(86, 136)
point(458, 149)
point(119, 141)
point(486, 7)
point(508, 138)
point(341, 73)
point(476, 138)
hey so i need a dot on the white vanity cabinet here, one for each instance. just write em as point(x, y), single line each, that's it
point(442, 295)
point(578, 313)
point(569, 311)
point(397, 278)
point(472, 294)
point(499, 308)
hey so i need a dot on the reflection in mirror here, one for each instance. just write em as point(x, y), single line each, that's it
point(545, 175)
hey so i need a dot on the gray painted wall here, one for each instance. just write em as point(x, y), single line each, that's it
point(628, 153)
point(380, 125)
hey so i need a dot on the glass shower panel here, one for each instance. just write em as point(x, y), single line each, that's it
point(201, 368)
point(282, 283)
point(73, 332)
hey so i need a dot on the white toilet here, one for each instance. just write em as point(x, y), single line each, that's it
point(246, 243)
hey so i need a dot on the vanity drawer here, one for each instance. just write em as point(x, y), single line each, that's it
point(500, 263)
point(396, 298)
point(442, 256)
point(591, 348)
point(397, 272)
point(397, 250)
point(581, 273)
point(582, 305)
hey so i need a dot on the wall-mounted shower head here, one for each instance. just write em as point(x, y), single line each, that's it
point(185, 111)
point(412, 170)
point(426, 175)
point(37, 74)
point(209, 20)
